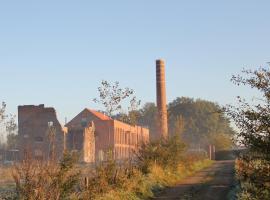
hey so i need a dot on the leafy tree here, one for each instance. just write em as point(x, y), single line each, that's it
point(253, 119)
point(203, 122)
point(12, 136)
point(111, 96)
point(2, 124)
point(178, 126)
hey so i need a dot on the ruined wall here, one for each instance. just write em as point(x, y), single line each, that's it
point(81, 136)
point(40, 132)
point(89, 144)
point(82, 140)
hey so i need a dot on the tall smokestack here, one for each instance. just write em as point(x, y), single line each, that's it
point(161, 99)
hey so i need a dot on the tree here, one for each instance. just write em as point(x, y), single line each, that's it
point(148, 118)
point(2, 129)
point(178, 126)
point(8, 129)
point(111, 96)
point(12, 136)
point(253, 119)
point(201, 121)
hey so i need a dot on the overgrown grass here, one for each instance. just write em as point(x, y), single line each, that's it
point(7, 185)
point(157, 165)
point(5, 174)
point(145, 186)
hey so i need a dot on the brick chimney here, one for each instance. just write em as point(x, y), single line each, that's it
point(161, 100)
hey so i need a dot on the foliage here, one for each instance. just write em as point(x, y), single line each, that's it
point(254, 176)
point(107, 176)
point(178, 126)
point(39, 180)
point(148, 116)
point(202, 121)
point(197, 122)
point(165, 153)
point(111, 96)
point(142, 186)
point(2, 118)
point(253, 121)
point(8, 128)
point(2, 111)
point(12, 135)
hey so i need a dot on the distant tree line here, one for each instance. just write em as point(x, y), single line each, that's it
point(198, 122)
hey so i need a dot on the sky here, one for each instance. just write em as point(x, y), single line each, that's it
point(56, 52)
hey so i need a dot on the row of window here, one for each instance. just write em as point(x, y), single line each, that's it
point(124, 137)
point(127, 137)
point(123, 152)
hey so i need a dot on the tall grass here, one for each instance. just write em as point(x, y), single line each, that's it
point(143, 186)
point(157, 165)
point(5, 174)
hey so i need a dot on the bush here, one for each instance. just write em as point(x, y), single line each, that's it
point(253, 173)
point(165, 153)
point(39, 180)
point(107, 176)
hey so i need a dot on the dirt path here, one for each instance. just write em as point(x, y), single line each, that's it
point(213, 183)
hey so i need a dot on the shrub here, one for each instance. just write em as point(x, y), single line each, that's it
point(253, 173)
point(39, 180)
point(165, 153)
point(107, 176)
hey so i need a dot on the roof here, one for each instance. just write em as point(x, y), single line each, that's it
point(100, 115)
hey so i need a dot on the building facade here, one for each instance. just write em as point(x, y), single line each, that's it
point(110, 135)
point(90, 133)
point(40, 134)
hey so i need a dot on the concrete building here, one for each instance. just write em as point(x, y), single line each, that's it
point(162, 122)
point(122, 139)
point(40, 133)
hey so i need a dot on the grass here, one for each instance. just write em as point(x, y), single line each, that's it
point(6, 177)
point(6, 183)
point(144, 187)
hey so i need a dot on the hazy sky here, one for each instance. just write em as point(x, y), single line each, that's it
point(56, 52)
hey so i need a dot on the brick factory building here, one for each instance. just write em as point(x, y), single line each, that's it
point(122, 139)
point(90, 132)
point(36, 125)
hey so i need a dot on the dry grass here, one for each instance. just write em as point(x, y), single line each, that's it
point(6, 177)
point(144, 186)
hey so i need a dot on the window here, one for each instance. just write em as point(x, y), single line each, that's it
point(84, 122)
point(38, 153)
point(26, 136)
point(38, 139)
point(50, 124)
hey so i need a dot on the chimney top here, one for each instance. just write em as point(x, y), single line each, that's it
point(160, 61)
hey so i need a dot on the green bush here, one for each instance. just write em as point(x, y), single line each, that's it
point(165, 153)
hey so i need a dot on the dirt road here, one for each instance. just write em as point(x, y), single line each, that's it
point(213, 183)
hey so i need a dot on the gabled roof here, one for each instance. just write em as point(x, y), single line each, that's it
point(99, 115)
